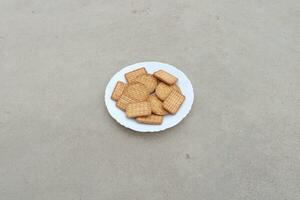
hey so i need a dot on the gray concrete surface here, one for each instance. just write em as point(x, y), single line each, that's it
point(241, 141)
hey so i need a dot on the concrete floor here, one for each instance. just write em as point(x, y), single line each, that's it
point(241, 140)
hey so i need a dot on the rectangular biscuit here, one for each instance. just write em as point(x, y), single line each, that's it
point(130, 76)
point(123, 101)
point(138, 109)
point(173, 102)
point(165, 77)
point(118, 91)
point(151, 119)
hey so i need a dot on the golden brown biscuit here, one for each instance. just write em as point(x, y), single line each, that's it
point(148, 80)
point(156, 106)
point(138, 109)
point(118, 91)
point(123, 101)
point(165, 77)
point(137, 91)
point(176, 87)
point(173, 102)
point(151, 119)
point(130, 76)
point(162, 91)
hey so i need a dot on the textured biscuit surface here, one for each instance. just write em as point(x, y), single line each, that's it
point(156, 106)
point(123, 101)
point(176, 87)
point(137, 91)
point(173, 102)
point(148, 80)
point(138, 109)
point(118, 91)
point(151, 119)
point(165, 77)
point(130, 76)
point(138, 101)
point(162, 91)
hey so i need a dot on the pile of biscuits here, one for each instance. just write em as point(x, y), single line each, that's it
point(147, 97)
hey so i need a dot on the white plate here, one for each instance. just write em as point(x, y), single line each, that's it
point(169, 120)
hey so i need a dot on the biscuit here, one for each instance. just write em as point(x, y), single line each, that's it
point(148, 80)
point(176, 87)
point(130, 76)
point(173, 102)
point(134, 97)
point(162, 91)
point(156, 106)
point(165, 77)
point(118, 91)
point(138, 109)
point(123, 101)
point(137, 91)
point(151, 119)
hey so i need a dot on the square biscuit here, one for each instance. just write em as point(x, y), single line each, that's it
point(138, 109)
point(123, 101)
point(130, 76)
point(162, 91)
point(137, 91)
point(173, 102)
